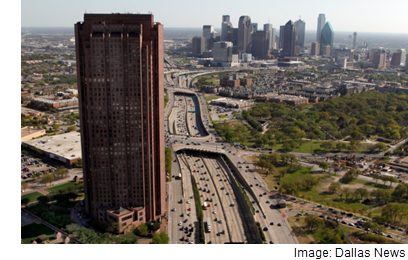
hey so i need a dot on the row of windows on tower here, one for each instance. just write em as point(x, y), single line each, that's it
point(115, 28)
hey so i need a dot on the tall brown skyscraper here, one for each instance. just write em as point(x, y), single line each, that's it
point(120, 83)
point(244, 34)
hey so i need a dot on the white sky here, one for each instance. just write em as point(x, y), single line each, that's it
point(346, 15)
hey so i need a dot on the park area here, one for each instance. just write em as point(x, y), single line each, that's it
point(32, 231)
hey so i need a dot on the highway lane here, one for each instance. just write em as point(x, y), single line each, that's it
point(223, 186)
point(198, 172)
point(174, 219)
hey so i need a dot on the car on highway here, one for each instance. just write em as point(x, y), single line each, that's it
point(265, 229)
point(180, 224)
point(271, 223)
point(174, 209)
point(279, 224)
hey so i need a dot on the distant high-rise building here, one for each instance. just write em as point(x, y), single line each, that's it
point(226, 18)
point(300, 33)
point(223, 54)
point(254, 27)
point(326, 50)
point(403, 55)
point(226, 31)
point(244, 34)
point(281, 36)
point(354, 40)
point(398, 58)
point(326, 37)
point(380, 58)
point(315, 49)
point(235, 36)
point(207, 30)
point(122, 117)
point(271, 35)
point(198, 45)
point(290, 39)
point(406, 62)
point(297, 50)
point(259, 44)
point(321, 21)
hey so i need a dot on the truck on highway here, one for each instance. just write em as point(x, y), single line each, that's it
point(205, 205)
point(208, 225)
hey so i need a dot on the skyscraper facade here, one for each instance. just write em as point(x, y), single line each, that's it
point(271, 35)
point(226, 18)
point(300, 33)
point(321, 21)
point(254, 27)
point(227, 30)
point(260, 44)
point(315, 49)
point(120, 83)
point(326, 37)
point(198, 45)
point(207, 30)
point(281, 36)
point(380, 58)
point(244, 34)
point(289, 39)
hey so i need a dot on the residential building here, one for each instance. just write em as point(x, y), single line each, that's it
point(327, 37)
point(321, 21)
point(244, 34)
point(122, 119)
point(290, 39)
point(198, 46)
point(300, 33)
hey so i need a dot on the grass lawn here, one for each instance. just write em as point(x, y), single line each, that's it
point(223, 116)
point(215, 81)
point(33, 230)
point(62, 186)
point(208, 98)
point(32, 196)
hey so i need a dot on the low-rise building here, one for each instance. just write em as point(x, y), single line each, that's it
point(28, 133)
point(65, 148)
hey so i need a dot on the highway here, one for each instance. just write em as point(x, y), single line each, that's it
point(205, 172)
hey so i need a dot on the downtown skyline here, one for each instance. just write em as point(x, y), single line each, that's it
point(361, 15)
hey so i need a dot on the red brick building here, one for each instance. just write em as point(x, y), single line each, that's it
point(120, 87)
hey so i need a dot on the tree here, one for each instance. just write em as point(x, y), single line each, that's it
point(380, 146)
point(24, 185)
point(113, 227)
point(335, 187)
point(55, 127)
point(160, 238)
point(313, 222)
point(47, 178)
point(43, 200)
point(25, 201)
point(71, 128)
point(363, 192)
point(324, 165)
point(141, 230)
point(228, 137)
point(391, 211)
point(347, 192)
